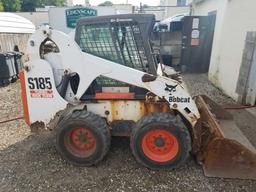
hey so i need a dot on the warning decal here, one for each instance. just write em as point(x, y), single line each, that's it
point(41, 93)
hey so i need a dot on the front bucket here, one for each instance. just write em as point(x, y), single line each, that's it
point(220, 145)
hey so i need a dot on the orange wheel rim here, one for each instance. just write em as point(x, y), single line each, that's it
point(160, 145)
point(80, 142)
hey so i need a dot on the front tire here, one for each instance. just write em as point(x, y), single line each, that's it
point(160, 141)
point(82, 138)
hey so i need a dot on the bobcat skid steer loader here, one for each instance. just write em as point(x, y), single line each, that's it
point(106, 82)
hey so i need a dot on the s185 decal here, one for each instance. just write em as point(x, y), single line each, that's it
point(39, 83)
point(40, 87)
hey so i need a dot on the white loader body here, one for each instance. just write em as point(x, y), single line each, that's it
point(44, 101)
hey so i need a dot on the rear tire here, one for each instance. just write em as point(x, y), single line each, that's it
point(160, 141)
point(83, 138)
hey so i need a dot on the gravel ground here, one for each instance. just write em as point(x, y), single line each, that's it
point(29, 162)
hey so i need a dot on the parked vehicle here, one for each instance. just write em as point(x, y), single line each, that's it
point(165, 25)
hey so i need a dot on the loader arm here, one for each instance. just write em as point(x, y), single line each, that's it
point(89, 67)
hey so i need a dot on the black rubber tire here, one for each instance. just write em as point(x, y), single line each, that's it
point(96, 124)
point(167, 122)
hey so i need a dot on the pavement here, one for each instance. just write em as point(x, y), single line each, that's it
point(252, 111)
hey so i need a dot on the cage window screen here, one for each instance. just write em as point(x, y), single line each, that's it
point(130, 45)
point(120, 42)
point(97, 40)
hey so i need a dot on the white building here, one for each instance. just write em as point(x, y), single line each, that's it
point(87, 3)
point(69, 3)
point(170, 8)
point(178, 3)
point(230, 69)
point(37, 18)
point(14, 31)
point(58, 17)
point(123, 8)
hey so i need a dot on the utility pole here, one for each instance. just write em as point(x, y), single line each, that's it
point(141, 9)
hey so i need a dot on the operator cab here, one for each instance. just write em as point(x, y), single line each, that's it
point(123, 39)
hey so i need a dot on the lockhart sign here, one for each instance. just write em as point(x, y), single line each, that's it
point(72, 15)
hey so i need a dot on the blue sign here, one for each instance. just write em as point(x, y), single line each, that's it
point(73, 14)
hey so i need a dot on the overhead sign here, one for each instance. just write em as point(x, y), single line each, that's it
point(73, 14)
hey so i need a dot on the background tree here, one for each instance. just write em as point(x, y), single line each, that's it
point(1, 6)
point(57, 3)
point(28, 5)
point(31, 5)
point(12, 6)
point(106, 3)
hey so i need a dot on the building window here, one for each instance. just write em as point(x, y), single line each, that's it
point(181, 3)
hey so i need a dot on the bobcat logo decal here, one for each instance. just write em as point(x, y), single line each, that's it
point(170, 88)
